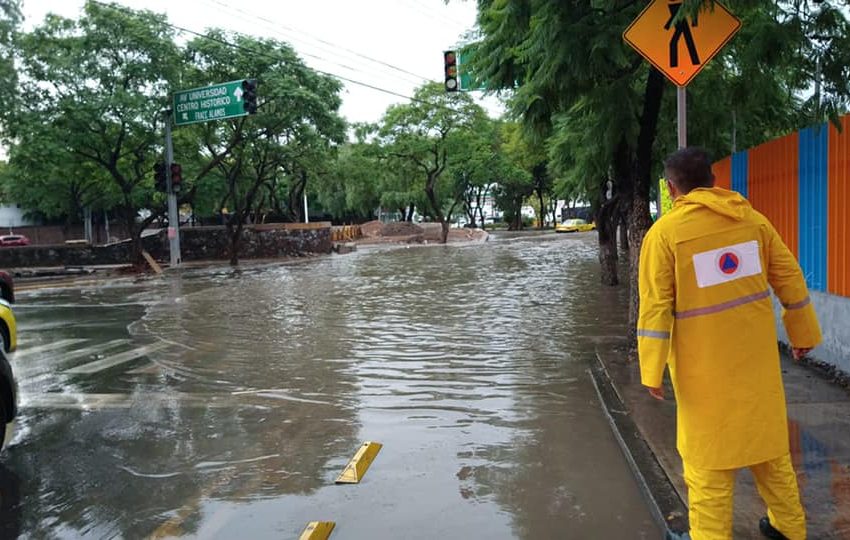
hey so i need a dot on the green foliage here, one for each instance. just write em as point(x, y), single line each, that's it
point(10, 18)
point(352, 189)
point(88, 124)
point(582, 88)
point(423, 136)
point(260, 163)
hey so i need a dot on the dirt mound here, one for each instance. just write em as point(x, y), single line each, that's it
point(372, 229)
point(401, 228)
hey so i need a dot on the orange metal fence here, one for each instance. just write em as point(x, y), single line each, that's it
point(774, 185)
point(723, 173)
point(838, 240)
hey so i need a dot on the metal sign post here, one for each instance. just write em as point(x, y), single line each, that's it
point(173, 216)
point(682, 115)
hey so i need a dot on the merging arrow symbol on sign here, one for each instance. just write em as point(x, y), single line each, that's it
point(238, 93)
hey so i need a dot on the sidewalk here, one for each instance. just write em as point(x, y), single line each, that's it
point(819, 421)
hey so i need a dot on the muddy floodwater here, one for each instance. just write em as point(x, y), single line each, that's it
point(224, 404)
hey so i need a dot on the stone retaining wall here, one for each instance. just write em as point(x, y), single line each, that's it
point(197, 243)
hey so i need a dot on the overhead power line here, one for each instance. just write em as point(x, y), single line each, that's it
point(304, 49)
point(260, 53)
point(335, 46)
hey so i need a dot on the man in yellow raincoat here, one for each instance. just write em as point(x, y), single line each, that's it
point(706, 270)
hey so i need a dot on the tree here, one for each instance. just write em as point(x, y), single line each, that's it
point(351, 192)
point(100, 84)
point(529, 153)
point(576, 83)
point(478, 163)
point(10, 18)
point(421, 134)
point(249, 158)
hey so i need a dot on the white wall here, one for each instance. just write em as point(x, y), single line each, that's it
point(11, 216)
point(833, 314)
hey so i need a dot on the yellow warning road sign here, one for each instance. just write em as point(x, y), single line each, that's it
point(356, 468)
point(318, 530)
point(681, 49)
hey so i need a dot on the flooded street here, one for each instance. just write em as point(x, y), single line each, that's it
point(222, 404)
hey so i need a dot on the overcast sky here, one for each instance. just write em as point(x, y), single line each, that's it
point(330, 35)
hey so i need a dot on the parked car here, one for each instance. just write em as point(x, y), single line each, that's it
point(8, 400)
point(7, 287)
point(8, 328)
point(574, 225)
point(11, 240)
point(8, 386)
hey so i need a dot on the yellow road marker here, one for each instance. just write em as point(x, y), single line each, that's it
point(359, 464)
point(318, 530)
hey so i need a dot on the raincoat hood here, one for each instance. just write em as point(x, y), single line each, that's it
point(719, 200)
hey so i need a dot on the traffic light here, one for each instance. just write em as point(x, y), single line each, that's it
point(249, 95)
point(159, 176)
point(450, 65)
point(176, 177)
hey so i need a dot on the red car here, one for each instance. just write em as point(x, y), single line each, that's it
point(14, 240)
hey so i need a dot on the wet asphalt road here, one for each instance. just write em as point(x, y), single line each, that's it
point(222, 404)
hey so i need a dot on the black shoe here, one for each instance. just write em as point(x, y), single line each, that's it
point(769, 531)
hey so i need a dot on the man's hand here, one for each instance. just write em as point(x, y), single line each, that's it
point(657, 393)
point(800, 353)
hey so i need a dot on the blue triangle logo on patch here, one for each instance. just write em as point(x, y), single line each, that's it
point(729, 263)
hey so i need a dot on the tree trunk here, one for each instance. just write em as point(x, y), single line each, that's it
point(134, 232)
point(410, 211)
point(607, 234)
point(639, 219)
point(624, 234)
point(482, 193)
point(541, 215)
point(235, 241)
point(445, 233)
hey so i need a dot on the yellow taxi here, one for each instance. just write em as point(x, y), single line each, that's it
point(574, 225)
point(8, 327)
point(8, 386)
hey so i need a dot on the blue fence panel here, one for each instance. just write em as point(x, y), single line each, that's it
point(740, 172)
point(814, 145)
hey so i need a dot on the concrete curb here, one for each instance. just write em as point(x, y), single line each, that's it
point(668, 509)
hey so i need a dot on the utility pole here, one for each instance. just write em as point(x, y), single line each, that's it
point(173, 216)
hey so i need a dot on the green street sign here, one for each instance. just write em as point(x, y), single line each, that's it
point(468, 80)
point(216, 102)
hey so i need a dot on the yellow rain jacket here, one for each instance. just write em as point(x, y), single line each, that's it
point(706, 270)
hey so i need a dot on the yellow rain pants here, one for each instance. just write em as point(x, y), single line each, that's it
point(710, 499)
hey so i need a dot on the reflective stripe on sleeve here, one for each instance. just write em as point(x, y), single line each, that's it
point(799, 305)
point(653, 334)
